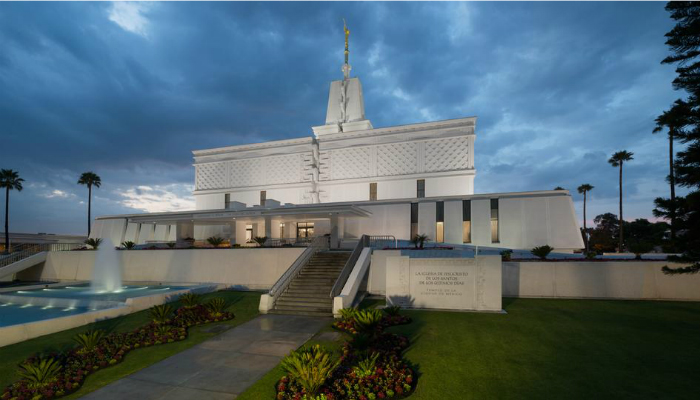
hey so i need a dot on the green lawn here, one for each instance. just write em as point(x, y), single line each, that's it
point(551, 349)
point(243, 304)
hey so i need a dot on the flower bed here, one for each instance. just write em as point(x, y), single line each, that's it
point(370, 367)
point(72, 367)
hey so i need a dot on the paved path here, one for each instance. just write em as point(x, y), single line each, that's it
point(221, 367)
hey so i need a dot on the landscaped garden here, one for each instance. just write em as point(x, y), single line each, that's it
point(95, 355)
point(543, 348)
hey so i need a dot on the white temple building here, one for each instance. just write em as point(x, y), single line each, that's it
point(348, 179)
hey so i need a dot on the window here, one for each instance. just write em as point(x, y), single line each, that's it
point(373, 191)
point(494, 220)
point(227, 200)
point(263, 197)
point(414, 220)
point(281, 230)
point(420, 186)
point(466, 221)
point(305, 229)
point(440, 222)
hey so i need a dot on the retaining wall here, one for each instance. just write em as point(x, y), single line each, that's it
point(248, 269)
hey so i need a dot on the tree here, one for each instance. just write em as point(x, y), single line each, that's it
point(603, 237)
point(684, 42)
point(675, 120)
point(617, 160)
point(9, 180)
point(583, 189)
point(89, 179)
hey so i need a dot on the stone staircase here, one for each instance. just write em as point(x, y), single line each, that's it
point(309, 293)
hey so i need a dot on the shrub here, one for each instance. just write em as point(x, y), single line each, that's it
point(171, 244)
point(310, 367)
point(367, 321)
point(90, 339)
point(591, 255)
point(260, 240)
point(392, 310)
point(419, 240)
point(163, 330)
point(367, 366)
point(542, 251)
point(40, 372)
point(347, 313)
point(128, 245)
point(93, 242)
point(215, 241)
point(161, 313)
point(216, 306)
point(190, 300)
point(506, 255)
point(639, 248)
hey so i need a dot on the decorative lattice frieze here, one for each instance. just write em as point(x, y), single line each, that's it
point(283, 169)
point(349, 163)
point(248, 172)
point(447, 154)
point(397, 159)
point(211, 176)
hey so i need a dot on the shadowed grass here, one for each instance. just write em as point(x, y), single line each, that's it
point(243, 304)
point(572, 349)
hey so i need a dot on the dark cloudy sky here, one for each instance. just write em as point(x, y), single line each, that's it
point(129, 89)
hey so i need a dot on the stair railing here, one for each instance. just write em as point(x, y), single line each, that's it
point(349, 265)
point(30, 250)
point(378, 241)
point(319, 243)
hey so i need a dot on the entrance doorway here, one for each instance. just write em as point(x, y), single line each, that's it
point(248, 233)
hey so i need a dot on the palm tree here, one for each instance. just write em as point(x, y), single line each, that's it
point(90, 179)
point(673, 119)
point(9, 180)
point(617, 160)
point(583, 189)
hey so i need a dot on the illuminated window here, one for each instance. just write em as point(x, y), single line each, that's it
point(414, 220)
point(440, 222)
point(305, 229)
point(420, 188)
point(466, 221)
point(281, 230)
point(263, 197)
point(494, 221)
point(373, 191)
point(227, 200)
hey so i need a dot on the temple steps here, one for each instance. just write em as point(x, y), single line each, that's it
point(309, 292)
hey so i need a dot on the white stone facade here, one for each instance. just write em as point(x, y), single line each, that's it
point(395, 158)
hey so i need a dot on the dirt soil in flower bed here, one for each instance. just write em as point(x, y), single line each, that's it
point(132, 357)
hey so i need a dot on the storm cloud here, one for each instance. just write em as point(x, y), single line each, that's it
point(127, 90)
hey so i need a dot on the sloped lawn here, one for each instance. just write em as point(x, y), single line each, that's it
point(243, 304)
point(565, 349)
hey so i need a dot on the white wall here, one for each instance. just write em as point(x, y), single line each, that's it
point(387, 219)
point(604, 280)
point(243, 268)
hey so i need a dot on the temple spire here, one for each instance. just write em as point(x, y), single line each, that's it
point(346, 66)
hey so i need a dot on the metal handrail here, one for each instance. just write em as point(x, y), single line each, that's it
point(319, 243)
point(31, 250)
point(375, 240)
point(349, 265)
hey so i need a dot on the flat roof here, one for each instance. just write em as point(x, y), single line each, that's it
point(311, 211)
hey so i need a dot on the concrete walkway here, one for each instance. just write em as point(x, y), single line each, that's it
point(221, 367)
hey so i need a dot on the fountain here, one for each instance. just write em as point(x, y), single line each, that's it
point(107, 272)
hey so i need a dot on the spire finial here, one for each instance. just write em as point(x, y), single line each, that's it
point(346, 66)
point(347, 34)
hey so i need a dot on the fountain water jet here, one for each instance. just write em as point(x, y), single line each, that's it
point(107, 272)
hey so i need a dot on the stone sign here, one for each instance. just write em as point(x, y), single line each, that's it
point(444, 283)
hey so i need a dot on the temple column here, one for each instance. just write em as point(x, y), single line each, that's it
point(268, 227)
